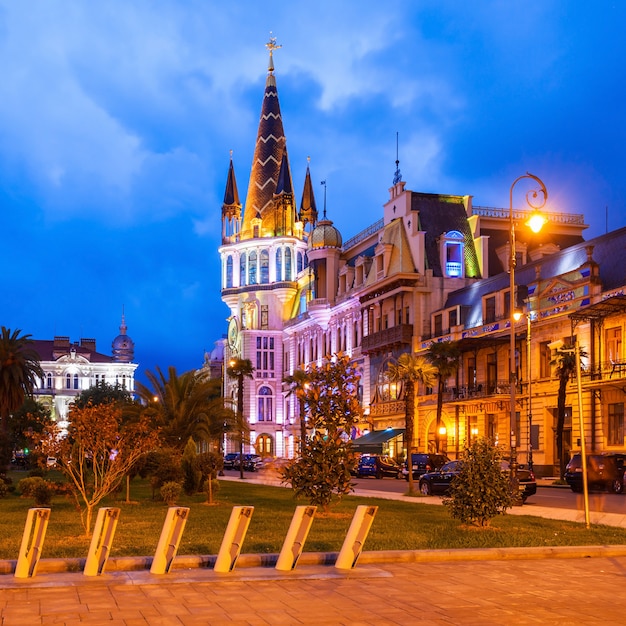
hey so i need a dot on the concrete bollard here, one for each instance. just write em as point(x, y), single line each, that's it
point(171, 535)
point(233, 538)
point(32, 542)
point(296, 536)
point(357, 533)
point(100, 547)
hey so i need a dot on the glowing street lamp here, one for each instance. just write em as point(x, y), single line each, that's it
point(536, 199)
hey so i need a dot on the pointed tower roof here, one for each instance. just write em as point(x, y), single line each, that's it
point(308, 208)
point(267, 159)
point(231, 194)
point(284, 184)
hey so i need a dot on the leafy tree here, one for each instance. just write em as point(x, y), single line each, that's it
point(192, 477)
point(29, 421)
point(98, 452)
point(240, 369)
point(102, 393)
point(410, 371)
point(444, 356)
point(19, 372)
point(161, 466)
point(187, 405)
point(565, 364)
point(298, 384)
point(209, 464)
point(481, 490)
point(323, 471)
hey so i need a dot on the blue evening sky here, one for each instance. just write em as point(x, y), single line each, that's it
point(117, 118)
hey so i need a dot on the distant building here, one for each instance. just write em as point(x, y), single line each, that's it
point(71, 367)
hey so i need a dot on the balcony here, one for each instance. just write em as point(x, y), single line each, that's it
point(401, 335)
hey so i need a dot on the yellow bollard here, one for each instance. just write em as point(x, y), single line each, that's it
point(357, 533)
point(296, 536)
point(100, 547)
point(233, 538)
point(171, 535)
point(32, 542)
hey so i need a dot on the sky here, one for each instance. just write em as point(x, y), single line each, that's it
point(117, 120)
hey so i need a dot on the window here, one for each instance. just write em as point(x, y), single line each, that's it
point(49, 381)
point(264, 445)
point(265, 267)
point(76, 381)
point(252, 268)
point(279, 264)
point(265, 405)
point(616, 424)
point(453, 254)
point(492, 428)
point(68, 381)
point(242, 268)
point(288, 275)
point(545, 357)
point(452, 318)
point(438, 325)
point(300, 262)
point(229, 271)
point(490, 309)
point(473, 428)
point(614, 344)
point(265, 357)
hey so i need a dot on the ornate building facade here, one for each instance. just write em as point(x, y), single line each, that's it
point(71, 367)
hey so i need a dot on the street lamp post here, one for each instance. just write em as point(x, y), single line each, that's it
point(529, 379)
point(535, 202)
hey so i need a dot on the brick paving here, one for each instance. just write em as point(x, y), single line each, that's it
point(491, 592)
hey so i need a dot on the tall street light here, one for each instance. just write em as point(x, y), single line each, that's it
point(536, 199)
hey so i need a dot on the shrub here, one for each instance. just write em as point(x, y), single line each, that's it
point(481, 490)
point(26, 486)
point(37, 488)
point(170, 492)
point(192, 477)
point(36, 471)
point(4, 489)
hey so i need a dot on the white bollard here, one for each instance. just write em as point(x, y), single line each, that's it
point(171, 535)
point(233, 538)
point(32, 542)
point(357, 533)
point(100, 547)
point(296, 536)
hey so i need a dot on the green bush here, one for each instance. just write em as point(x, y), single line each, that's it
point(481, 490)
point(26, 486)
point(171, 492)
point(37, 488)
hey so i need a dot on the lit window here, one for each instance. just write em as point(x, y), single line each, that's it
point(229, 271)
point(265, 405)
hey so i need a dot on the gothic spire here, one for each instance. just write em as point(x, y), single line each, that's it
point(308, 208)
point(231, 207)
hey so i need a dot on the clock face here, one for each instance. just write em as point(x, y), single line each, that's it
point(233, 333)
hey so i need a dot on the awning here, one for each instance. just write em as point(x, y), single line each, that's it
point(373, 442)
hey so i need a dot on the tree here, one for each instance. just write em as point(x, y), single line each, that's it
point(444, 356)
point(298, 384)
point(209, 464)
point(410, 371)
point(28, 422)
point(481, 490)
point(323, 471)
point(240, 369)
point(565, 364)
point(191, 474)
point(188, 405)
point(98, 452)
point(102, 393)
point(19, 372)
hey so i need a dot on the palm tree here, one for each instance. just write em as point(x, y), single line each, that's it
point(189, 405)
point(565, 364)
point(298, 385)
point(19, 371)
point(444, 356)
point(411, 370)
point(240, 369)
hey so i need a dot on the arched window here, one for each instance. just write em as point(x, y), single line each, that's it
point(252, 268)
point(49, 381)
point(288, 275)
point(264, 445)
point(386, 390)
point(300, 262)
point(453, 254)
point(76, 381)
point(265, 267)
point(265, 405)
point(229, 271)
point(68, 381)
point(279, 264)
point(242, 269)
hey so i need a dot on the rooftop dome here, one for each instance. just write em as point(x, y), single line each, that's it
point(123, 346)
point(325, 235)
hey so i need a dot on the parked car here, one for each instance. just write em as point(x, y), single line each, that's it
point(377, 466)
point(439, 482)
point(251, 462)
point(229, 460)
point(424, 462)
point(604, 472)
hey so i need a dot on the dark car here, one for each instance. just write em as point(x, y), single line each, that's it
point(229, 460)
point(377, 466)
point(605, 472)
point(425, 462)
point(438, 482)
point(252, 462)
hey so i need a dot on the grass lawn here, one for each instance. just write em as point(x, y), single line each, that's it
point(397, 525)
